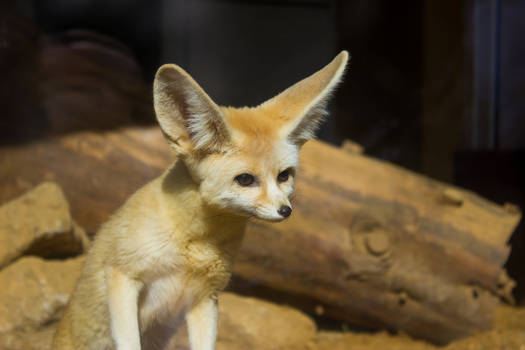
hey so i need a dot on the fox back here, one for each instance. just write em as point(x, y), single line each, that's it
point(169, 250)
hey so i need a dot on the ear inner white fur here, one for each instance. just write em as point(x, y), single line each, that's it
point(303, 105)
point(188, 117)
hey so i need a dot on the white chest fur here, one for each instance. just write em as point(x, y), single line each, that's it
point(163, 300)
point(203, 270)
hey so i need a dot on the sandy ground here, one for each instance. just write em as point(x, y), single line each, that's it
point(508, 333)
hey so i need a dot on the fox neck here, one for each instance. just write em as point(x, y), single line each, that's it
point(200, 220)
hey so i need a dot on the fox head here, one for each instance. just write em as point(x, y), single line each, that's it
point(243, 159)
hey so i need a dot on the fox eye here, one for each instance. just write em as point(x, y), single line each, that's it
point(283, 175)
point(245, 179)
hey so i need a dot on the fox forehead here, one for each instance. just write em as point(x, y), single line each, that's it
point(255, 133)
point(267, 158)
point(254, 122)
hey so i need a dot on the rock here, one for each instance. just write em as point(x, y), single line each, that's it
point(39, 223)
point(261, 325)
point(34, 293)
point(249, 323)
point(34, 340)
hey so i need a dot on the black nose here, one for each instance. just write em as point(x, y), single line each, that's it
point(285, 211)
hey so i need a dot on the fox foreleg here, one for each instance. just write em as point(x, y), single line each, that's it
point(123, 295)
point(202, 324)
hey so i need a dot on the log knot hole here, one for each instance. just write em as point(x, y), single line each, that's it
point(371, 235)
point(370, 248)
point(377, 242)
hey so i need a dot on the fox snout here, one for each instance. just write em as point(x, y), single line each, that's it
point(272, 201)
point(276, 211)
point(279, 214)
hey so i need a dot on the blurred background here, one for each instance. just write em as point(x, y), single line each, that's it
point(428, 79)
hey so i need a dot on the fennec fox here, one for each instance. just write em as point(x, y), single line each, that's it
point(169, 250)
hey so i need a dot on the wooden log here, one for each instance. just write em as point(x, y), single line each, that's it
point(383, 247)
point(369, 243)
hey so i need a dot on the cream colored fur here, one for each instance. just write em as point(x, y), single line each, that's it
point(167, 253)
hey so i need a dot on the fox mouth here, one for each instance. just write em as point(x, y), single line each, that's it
point(268, 219)
point(275, 219)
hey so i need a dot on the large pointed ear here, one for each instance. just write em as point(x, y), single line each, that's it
point(188, 117)
point(302, 107)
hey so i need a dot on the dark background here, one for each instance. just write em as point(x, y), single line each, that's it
point(435, 86)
